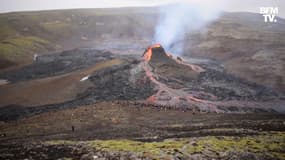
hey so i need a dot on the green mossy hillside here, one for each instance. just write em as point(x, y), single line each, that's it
point(268, 144)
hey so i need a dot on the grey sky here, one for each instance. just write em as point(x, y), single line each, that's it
point(227, 5)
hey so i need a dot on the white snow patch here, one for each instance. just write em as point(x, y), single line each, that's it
point(35, 57)
point(3, 81)
point(84, 78)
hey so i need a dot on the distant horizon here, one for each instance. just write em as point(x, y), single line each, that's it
point(26, 11)
point(9, 6)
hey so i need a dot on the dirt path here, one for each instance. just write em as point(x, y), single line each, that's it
point(52, 89)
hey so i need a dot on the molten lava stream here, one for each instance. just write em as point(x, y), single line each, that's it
point(147, 55)
point(175, 95)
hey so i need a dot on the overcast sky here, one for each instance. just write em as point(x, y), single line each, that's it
point(227, 5)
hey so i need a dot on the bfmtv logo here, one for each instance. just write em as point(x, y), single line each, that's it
point(269, 13)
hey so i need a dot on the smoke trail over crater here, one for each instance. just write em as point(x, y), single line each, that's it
point(178, 19)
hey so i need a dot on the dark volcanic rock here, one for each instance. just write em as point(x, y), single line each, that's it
point(227, 86)
point(119, 82)
point(159, 57)
point(167, 81)
point(57, 63)
point(168, 68)
point(191, 86)
point(114, 83)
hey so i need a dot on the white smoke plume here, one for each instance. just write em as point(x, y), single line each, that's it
point(179, 18)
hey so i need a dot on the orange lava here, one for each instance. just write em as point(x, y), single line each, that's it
point(177, 96)
point(147, 55)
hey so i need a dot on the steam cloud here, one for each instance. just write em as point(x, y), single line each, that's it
point(178, 19)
